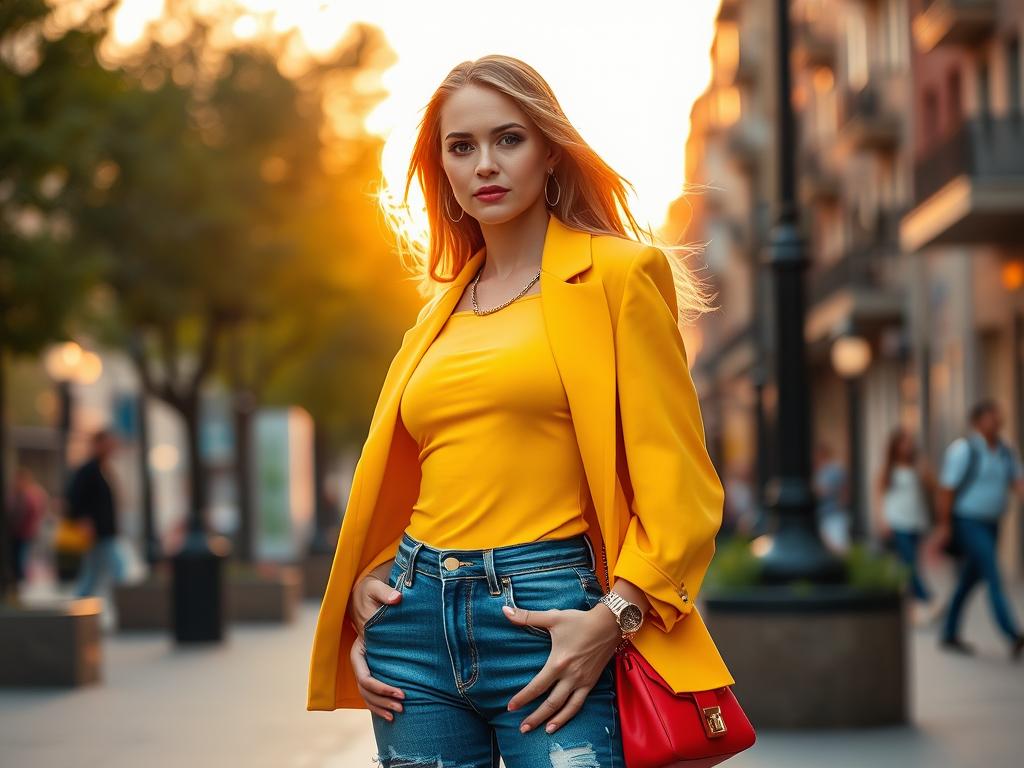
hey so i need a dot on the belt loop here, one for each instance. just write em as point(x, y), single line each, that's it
point(493, 585)
point(412, 564)
point(591, 555)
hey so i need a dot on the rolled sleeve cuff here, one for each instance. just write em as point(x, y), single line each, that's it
point(670, 601)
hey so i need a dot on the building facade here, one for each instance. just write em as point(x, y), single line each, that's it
point(911, 187)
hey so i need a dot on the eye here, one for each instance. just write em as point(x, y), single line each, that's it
point(510, 140)
point(460, 148)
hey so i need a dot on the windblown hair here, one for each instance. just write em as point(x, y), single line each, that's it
point(593, 196)
point(892, 450)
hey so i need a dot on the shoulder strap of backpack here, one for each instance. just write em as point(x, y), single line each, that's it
point(972, 469)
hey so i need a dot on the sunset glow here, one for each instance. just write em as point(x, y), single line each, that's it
point(626, 74)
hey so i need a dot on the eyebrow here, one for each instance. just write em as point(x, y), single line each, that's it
point(499, 129)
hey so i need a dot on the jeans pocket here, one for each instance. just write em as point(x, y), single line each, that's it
point(397, 580)
point(563, 589)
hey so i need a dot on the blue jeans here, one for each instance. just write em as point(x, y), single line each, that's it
point(459, 661)
point(978, 539)
point(104, 557)
point(905, 543)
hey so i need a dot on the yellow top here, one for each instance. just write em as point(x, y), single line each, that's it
point(499, 458)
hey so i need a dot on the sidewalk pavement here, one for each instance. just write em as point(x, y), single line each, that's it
point(243, 705)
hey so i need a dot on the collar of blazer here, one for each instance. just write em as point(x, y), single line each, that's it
point(580, 334)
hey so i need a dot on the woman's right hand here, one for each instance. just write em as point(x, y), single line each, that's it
point(370, 594)
point(367, 597)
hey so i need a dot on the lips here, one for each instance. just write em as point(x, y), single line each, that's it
point(490, 194)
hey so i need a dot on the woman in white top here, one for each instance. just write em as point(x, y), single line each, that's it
point(901, 507)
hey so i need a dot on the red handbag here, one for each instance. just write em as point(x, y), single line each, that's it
point(664, 729)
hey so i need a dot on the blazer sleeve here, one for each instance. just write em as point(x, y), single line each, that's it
point(677, 495)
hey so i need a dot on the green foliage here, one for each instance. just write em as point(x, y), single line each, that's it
point(54, 96)
point(734, 565)
point(881, 573)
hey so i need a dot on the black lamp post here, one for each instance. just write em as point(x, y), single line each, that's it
point(796, 551)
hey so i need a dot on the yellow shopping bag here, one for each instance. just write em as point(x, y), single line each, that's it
point(74, 536)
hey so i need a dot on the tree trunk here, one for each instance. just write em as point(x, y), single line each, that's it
point(197, 475)
point(7, 585)
point(150, 539)
point(326, 515)
point(244, 408)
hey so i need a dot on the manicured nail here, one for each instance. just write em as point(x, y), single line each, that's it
point(388, 716)
point(524, 728)
point(397, 707)
point(551, 728)
point(394, 595)
point(512, 707)
point(507, 610)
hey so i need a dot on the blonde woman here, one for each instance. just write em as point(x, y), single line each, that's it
point(537, 427)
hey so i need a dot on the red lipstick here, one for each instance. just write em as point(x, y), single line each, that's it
point(491, 194)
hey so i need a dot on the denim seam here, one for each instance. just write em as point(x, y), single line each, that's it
point(473, 654)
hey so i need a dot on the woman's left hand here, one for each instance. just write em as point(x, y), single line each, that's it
point(582, 644)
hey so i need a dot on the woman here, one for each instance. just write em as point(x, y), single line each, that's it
point(901, 506)
point(537, 426)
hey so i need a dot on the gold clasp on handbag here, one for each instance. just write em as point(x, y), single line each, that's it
point(713, 722)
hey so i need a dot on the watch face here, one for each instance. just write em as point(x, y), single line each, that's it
point(631, 618)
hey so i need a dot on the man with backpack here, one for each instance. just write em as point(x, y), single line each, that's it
point(977, 474)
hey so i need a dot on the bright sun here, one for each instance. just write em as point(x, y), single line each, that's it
point(626, 74)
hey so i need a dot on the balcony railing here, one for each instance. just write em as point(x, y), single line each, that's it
point(862, 267)
point(984, 148)
point(954, 22)
point(867, 122)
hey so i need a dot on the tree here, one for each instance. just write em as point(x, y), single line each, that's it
point(53, 95)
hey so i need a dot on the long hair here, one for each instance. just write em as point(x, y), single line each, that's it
point(593, 198)
point(892, 447)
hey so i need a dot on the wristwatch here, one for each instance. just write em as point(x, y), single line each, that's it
point(628, 615)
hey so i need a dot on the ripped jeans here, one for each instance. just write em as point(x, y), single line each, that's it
point(449, 647)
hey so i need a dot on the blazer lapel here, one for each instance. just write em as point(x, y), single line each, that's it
point(580, 333)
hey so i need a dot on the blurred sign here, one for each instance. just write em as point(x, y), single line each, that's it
point(284, 483)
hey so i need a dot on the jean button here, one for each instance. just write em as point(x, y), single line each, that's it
point(451, 563)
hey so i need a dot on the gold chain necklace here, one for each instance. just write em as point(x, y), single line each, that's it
point(472, 294)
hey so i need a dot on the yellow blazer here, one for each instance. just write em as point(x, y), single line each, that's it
point(610, 311)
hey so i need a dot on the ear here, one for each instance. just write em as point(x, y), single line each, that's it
point(554, 156)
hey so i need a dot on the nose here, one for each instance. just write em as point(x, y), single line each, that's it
point(486, 164)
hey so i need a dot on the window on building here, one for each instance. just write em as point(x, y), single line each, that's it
point(1013, 79)
point(930, 116)
point(895, 34)
point(954, 99)
point(984, 104)
point(856, 48)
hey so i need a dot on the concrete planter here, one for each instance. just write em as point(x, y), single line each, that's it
point(143, 605)
point(316, 571)
point(825, 657)
point(53, 646)
point(271, 597)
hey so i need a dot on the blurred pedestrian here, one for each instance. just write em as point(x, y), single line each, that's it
point(977, 474)
point(831, 486)
point(902, 490)
point(90, 497)
point(26, 508)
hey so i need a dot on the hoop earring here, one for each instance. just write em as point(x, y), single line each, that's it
point(448, 210)
point(558, 188)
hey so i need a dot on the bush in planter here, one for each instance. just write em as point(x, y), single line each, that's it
point(735, 566)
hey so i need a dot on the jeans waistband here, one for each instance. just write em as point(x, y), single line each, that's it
point(493, 564)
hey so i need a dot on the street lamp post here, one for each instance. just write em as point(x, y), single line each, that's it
point(796, 551)
point(851, 356)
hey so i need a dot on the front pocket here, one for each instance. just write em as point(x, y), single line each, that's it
point(396, 580)
point(563, 589)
